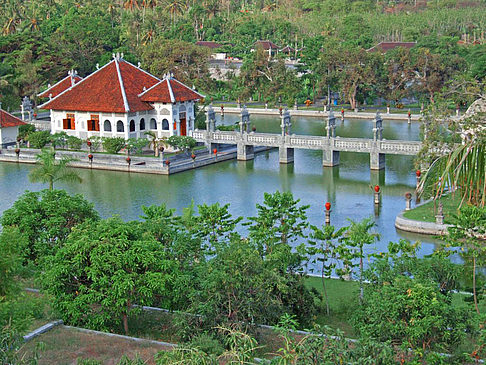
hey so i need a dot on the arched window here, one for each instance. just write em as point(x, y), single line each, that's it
point(132, 126)
point(120, 127)
point(107, 126)
point(153, 124)
point(165, 125)
point(142, 124)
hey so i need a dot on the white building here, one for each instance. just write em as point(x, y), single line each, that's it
point(9, 128)
point(122, 100)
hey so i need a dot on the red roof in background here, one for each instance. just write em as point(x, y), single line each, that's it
point(61, 86)
point(169, 90)
point(266, 45)
point(8, 120)
point(387, 46)
point(208, 44)
point(114, 88)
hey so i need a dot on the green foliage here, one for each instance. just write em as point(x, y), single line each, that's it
point(113, 144)
point(135, 145)
point(207, 343)
point(74, 143)
point(59, 139)
point(45, 219)
point(39, 139)
point(52, 170)
point(414, 313)
point(12, 242)
point(25, 130)
point(96, 143)
point(102, 269)
point(184, 143)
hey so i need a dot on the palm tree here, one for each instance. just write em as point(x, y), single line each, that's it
point(464, 167)
point(175, 7)
point(51, 170)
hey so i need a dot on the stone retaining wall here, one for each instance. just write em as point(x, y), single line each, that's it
point(411, 225)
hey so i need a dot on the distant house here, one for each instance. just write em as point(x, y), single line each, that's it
point(268, 46)
point(288, 51)
point(9, 128)
point(384, 47)
point(213, 46)
point(122, 100)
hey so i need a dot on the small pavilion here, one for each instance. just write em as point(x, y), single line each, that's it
point(121, 100)
point(9, 128)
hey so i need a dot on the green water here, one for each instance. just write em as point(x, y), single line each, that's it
point(242, 184)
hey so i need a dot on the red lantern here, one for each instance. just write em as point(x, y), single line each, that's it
point(167, 162)
point(328, 206)
point(90, 156)
point(342, 111)
point(409, 114)
point(17, 151)
point(88, 143)
point(377, 188)
point(128, 159)
point(215, 151)
point(418, 173)
point(193, 156)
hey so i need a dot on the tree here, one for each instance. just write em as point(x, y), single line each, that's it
point(358, 235)
point(184, 143)
point(45, 219)
point(52, 170)
point(468, 231)
point(323, 247)
point(188, 62)
point(104, 268)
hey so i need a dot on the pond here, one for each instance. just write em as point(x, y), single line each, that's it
point(242, 184)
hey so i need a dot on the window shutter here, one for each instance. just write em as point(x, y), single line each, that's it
point(97, 125)
point(64, 124)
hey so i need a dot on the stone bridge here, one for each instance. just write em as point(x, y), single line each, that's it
point(331, 145)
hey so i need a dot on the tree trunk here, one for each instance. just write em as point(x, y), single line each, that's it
point(125, 323)
point(352, 99)
point(324, 289)
point(51, 185)
point(474, 285)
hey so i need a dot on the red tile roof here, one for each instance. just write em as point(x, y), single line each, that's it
point(208, 44)
point(114, 88)
point(8, 120)
point(61, 86)
point(266, 45)
point(387, 46)
point(170, 90)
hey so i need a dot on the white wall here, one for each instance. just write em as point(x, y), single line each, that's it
point(8, 135)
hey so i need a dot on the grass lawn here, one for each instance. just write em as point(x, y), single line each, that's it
point(66, 345)
point(426, 211)
point(343, 299)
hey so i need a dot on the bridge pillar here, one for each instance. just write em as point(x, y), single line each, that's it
point(377, 160)
point(244, 152)
point(285, 155)
point(330, 158)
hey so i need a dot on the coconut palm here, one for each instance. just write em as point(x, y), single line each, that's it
point(175, 7)
point(51, 170)
point(464, 167)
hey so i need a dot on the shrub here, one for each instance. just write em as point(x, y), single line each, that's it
point(74, 143)
point(25, 130)
point(95, 143)
point(59, 139)
point(182, 142)
point(39, 139)
point(135, 145)
point(113, 144)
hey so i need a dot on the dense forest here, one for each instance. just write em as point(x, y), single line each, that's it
point(42, 39)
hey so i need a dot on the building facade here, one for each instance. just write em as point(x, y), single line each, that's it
point(122, 100)
point(9, 128)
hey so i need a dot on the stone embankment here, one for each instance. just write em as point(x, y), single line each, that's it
point(124, 163)
point(421, 227)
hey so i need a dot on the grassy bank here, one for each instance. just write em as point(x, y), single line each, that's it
point(427, 212)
